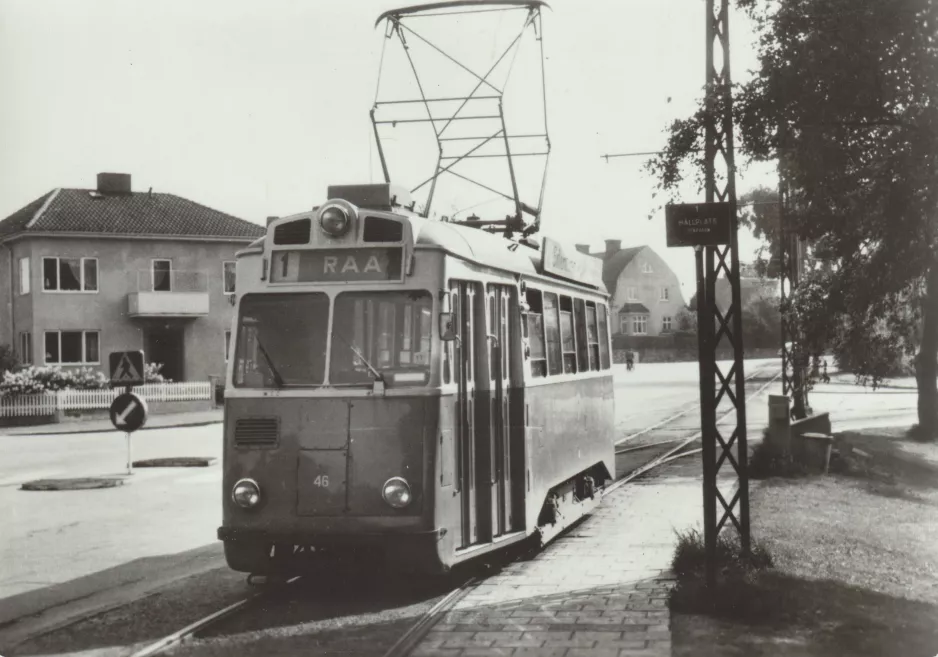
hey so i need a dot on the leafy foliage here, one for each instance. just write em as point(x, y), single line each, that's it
point(37, 379)
point(844, 98)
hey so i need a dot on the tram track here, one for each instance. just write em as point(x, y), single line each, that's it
point(444, 600)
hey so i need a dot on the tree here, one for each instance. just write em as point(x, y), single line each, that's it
point(845, 99)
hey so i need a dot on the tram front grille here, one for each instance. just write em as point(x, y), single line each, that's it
point(256, 431)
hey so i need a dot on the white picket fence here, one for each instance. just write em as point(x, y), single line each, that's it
point(47, 403)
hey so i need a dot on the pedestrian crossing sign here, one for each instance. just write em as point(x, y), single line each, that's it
point(126, 368)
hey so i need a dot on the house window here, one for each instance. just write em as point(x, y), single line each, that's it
point(26, 347)
point(665, 324)
point(665, 294)
point(227, 344)
point(623, 323)
point(24, 275)
point(646, 268)
point(161, 273)
point(630, 293)
point(72, 347)
point(228, 276)
point(639, 324)
point(70, 274)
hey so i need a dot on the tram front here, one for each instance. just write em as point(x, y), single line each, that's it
point(330, 412)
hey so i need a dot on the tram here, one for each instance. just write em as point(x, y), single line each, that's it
point(410, 389)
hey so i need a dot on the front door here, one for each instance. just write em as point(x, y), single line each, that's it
point(463, 304)
point(166, 345)
point(499, 303)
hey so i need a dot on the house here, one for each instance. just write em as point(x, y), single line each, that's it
point(89, 272)
point(645, 294)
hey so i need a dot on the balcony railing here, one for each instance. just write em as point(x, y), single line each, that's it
point(171, 281)
point(169, 294)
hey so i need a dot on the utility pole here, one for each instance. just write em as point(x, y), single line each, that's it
point(716, 327)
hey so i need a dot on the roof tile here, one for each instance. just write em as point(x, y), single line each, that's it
point(139, 213)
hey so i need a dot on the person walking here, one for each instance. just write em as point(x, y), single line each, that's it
point(629, 361)
point(824, 377)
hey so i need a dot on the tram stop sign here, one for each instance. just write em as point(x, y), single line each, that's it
point(698, 224)
point(128, 412)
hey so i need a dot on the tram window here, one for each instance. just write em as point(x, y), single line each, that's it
point(534, 327)
point(281, 340)
point(582, 346)
point(379, 229)
point(592, 335)
point(567, 339)
point(603, 338)
point(552, 328)
point(391, 331)
point(455, 351)
point(493, 330)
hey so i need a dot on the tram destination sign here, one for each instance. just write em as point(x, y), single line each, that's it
point(563, 262)
point(699, 224)
point(337, 265)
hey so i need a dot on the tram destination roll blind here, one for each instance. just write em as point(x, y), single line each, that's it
point(337, 265)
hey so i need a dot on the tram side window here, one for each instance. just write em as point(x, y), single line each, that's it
point(603, 338)
point(582, 346)
point(592, 335)
point(567, 339)
point(534, 332)
point(552, 329)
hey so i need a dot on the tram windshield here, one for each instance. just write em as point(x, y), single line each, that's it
point(282, 340)
point(384, 331)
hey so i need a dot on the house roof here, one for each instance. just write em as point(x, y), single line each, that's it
point(628, 308)
point(614, 263)
point(138, 213)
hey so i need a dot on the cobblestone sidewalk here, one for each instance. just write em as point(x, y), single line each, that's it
point(600, 590)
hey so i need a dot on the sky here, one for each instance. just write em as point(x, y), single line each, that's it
point(255, 107)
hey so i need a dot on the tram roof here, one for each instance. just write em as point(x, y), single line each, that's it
point(482, 247)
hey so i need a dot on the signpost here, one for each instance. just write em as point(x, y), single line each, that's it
point(699, 224)
point(128, 411)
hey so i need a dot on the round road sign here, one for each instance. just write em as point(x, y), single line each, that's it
point(128, 412)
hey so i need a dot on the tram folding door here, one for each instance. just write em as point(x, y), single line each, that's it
point(498, 304)
point(464, 310)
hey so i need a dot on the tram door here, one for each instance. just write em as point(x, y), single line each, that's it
point(463, 300)
point(499, 302)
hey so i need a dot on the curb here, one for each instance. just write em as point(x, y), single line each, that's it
point(110, 428)
point(80, 483)
point(176, 462)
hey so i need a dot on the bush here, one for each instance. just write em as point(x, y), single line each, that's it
point(690, 555)
point(33, 379)
point(151, 373)
point(736, 593)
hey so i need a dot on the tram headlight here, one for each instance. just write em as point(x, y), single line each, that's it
point(246, 494)
point(396, 492)
point(334, 220)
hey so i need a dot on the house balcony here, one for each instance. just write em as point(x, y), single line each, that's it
point(167, 294)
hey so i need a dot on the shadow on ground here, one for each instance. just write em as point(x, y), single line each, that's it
point(779, 615)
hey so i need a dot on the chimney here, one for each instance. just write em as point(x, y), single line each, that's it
point(583, 248)
point(613, 246)
point(114, 183)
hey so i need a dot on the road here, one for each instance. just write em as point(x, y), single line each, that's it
point(63, 554)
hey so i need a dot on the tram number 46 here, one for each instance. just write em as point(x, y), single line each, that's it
point(322, 481)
